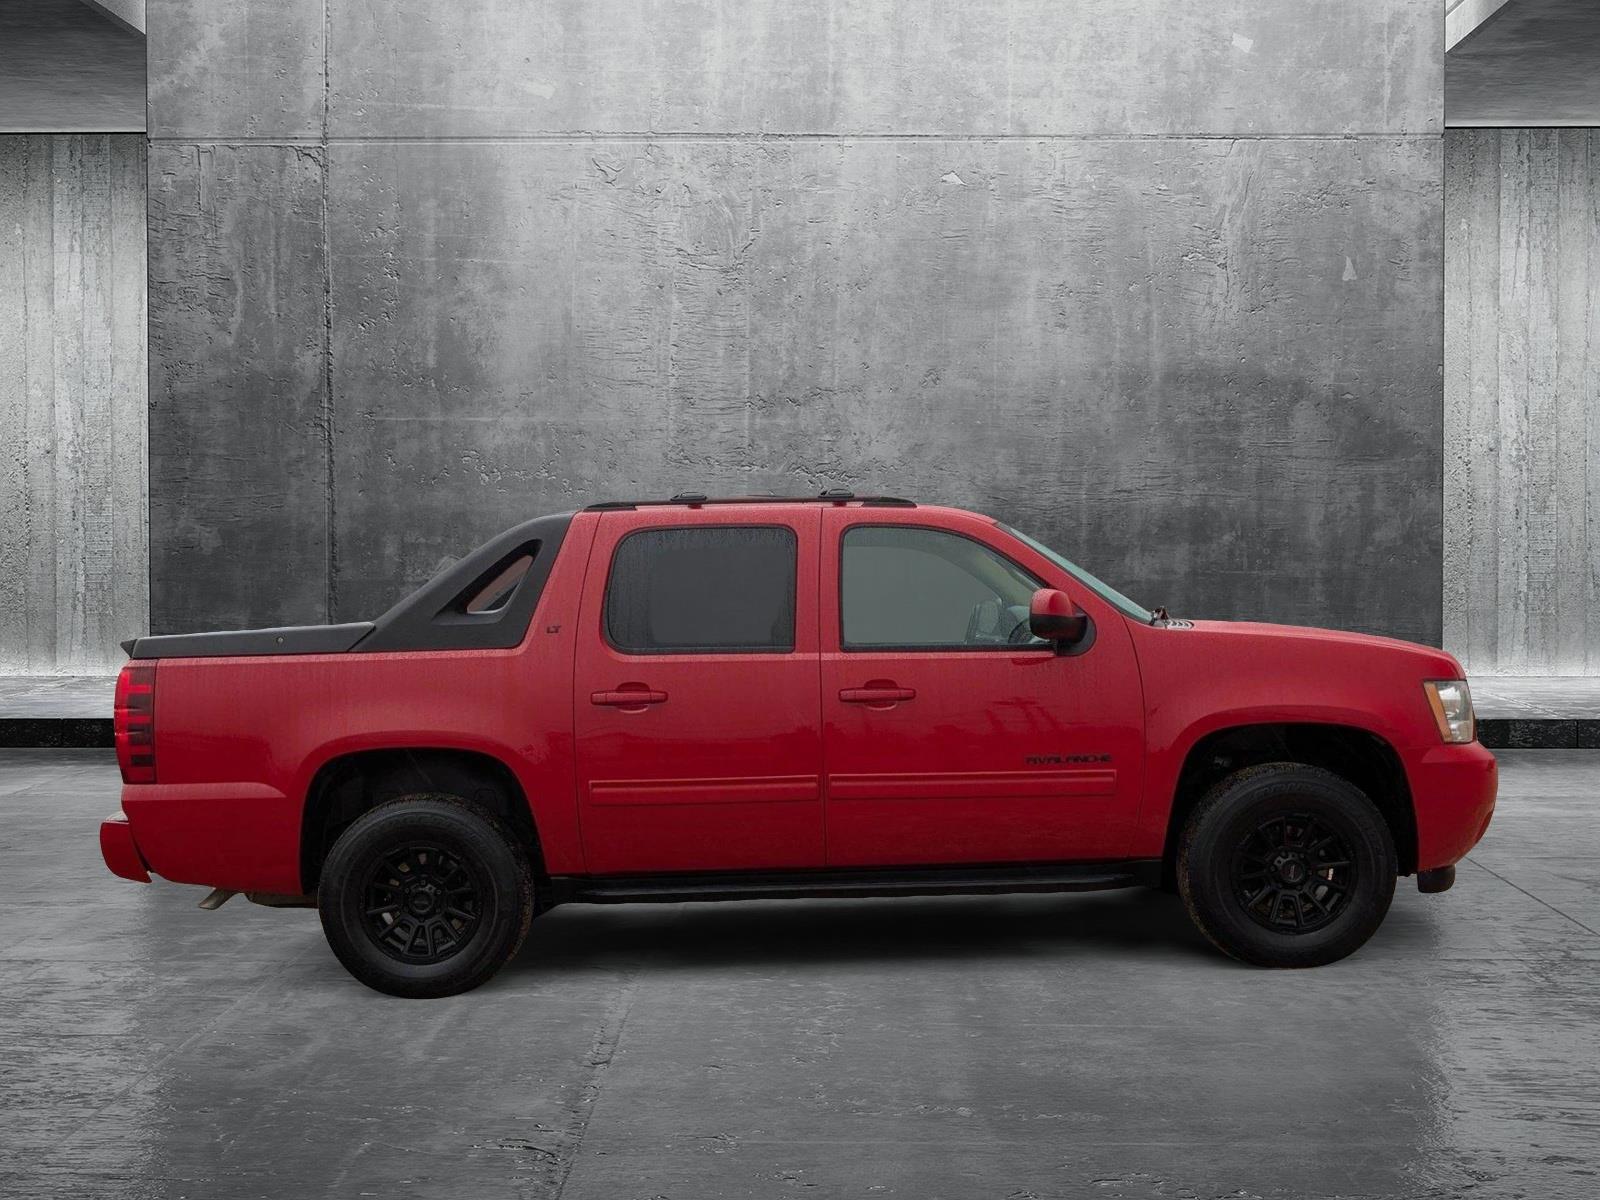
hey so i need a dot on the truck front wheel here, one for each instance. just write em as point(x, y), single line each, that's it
point(425, 896)
point(1286, 865)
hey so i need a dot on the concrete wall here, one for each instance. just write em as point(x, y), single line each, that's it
point(1522, 397)
point(1159, 282)
point(73, 553)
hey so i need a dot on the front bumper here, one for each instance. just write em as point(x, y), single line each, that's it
point(120, 851)
point(1453, 793)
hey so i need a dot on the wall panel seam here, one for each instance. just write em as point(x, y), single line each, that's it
point(645, 135)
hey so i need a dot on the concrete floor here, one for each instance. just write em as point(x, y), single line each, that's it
point(59, 696)
point(1522, 697)
point(1014, 1048)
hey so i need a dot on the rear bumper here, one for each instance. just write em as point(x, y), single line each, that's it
point(120, 851)
point(1453, 791)
point(241, 836)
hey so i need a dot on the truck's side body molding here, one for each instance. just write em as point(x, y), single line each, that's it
point(435, 617)
point(238, 643)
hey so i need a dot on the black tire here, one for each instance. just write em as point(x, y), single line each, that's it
point(1285, 865)
point(425, 896)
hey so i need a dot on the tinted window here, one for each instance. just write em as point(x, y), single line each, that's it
point(703, 589)
point(921, 588)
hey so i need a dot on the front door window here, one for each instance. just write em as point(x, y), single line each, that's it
point(906, 588)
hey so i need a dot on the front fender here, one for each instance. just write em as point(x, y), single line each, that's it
point(1170, 749)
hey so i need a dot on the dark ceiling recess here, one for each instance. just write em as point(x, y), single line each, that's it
point(68, 67)
point(1531, 62)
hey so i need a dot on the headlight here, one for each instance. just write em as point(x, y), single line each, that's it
point(1452, 709)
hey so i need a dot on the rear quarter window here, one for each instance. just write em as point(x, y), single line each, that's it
point(492, 596)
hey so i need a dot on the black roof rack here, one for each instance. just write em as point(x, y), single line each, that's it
point(696, 499)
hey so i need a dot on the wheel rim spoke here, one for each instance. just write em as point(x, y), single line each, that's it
point(1293, 872)
point(421, 903)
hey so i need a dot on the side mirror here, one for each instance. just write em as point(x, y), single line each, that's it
point(1054, 617)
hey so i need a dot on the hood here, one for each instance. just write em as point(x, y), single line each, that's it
point(1334, 642)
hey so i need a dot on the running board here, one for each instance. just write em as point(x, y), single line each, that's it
point(844, 884)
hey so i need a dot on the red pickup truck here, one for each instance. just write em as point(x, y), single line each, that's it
point(706, 699)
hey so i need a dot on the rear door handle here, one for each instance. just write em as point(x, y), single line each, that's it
point(876, 695)
point(624, 698)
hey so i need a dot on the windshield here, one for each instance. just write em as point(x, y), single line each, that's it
point(1105, 591)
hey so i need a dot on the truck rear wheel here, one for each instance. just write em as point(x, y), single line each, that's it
point(1285, 865)
point(425, 896)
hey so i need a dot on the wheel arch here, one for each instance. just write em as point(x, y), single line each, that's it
point(352, 783)
point(1365, 759)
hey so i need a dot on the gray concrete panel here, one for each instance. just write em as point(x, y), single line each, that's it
point(918, 1049)
point(73, 535)
point(1208, 370)
point(238, 464)
point(418, 68)
point(236, 70)
point(1522, 434)
point(996, 255)
point(1089, 68)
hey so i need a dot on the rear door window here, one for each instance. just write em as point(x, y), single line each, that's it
point(703, 590)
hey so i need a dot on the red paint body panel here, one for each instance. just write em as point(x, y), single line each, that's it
point(273, 722)
point(815, 757)
point(1222, 674)
point(725, 773)
point(946, 776)
point(1453, 789)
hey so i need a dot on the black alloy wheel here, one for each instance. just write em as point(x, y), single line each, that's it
point(1286, 865)
point(425, 896)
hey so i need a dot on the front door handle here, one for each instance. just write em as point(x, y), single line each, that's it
point(628, 697)
point(876, 695)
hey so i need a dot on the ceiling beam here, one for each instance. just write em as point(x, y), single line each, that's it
point(127, 13)
point(1465, 17)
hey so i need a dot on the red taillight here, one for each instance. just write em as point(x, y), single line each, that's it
point(134, 725)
